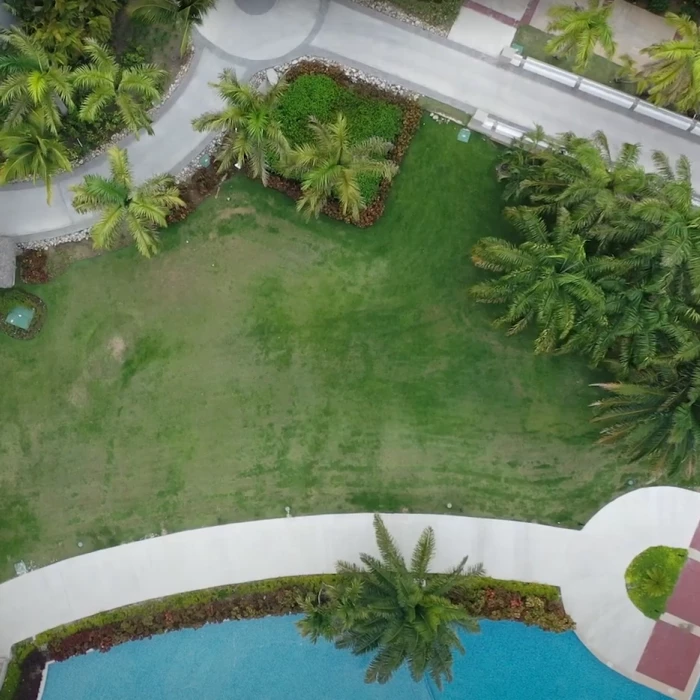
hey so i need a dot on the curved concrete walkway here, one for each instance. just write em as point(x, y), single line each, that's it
point(587, 565)
point(338, 29)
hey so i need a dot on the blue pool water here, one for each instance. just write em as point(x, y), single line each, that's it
point(267, 660)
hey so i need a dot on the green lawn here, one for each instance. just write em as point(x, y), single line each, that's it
point(261, 362)
point(599, 69)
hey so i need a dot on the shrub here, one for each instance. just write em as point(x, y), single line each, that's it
point(652, 576)
point(659, 7)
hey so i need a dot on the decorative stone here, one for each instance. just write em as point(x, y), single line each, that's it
point(272, 77)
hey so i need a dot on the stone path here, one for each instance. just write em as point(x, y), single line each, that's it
point(587, 565)
point(234, 37)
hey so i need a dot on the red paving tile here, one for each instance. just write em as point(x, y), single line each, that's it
point(670, 655)
point(483, 10)
point(685, 601)
point(695, 542)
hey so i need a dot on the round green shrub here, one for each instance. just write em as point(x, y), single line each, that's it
point(652, 576)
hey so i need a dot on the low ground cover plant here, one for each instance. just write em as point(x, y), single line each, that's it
point(243, 601)
point(652, 576)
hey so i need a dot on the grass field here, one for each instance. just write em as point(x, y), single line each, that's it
point(261, 362)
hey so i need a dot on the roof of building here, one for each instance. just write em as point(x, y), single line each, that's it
point(8, 253)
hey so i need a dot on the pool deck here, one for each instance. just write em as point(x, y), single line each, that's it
point(588, 565)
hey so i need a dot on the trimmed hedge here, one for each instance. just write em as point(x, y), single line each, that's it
point(361, 100)
point(652, 576)
point(11, 298)
point(533, 604)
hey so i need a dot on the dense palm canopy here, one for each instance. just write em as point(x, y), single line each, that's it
point(580, 31)
point(132, 90)
point(62, 26)
point(252, 134)
point(331, 164)
point(656, 414)
point(31, 151)
point(607, 264)
point(396, 611)
point(32, 83)
point(184, 13)
point(548, 280)
point(124, 207)
point(672, 77)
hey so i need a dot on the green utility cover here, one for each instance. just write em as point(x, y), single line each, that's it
point(21, 316)
point(205, 160)
point(464, 135)
point(518, 47)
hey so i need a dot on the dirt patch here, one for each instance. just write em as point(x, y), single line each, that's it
point(229, 212)
point(78, 396)
point(117, 348)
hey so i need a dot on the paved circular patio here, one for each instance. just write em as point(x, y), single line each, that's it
point(260, 30)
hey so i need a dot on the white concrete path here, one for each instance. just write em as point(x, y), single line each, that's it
point(587, 565)
point(341, 30)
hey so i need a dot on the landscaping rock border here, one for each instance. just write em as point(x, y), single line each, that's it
point(394, 12)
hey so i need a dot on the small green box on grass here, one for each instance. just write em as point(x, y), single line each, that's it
point(518, 47)
point(464, 135)
point(21, 316)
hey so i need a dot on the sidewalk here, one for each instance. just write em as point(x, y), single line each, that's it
point(359, 37)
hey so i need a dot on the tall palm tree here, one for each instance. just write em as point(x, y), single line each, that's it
point(672, 77)
point(31, 151)
point(132, 90)
point(185, 14)
point(548, 280)
point(330, 165)
point(398, 611)
point(655, 415)
point(581, 30)
point(126, 207)
point(32, 82)
point(252, 134)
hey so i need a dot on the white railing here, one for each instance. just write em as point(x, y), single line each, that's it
point(602, 92)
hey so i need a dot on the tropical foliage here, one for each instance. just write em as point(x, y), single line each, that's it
point(397, 611)
point(185, 14)
point(606, 263)
point(131, 90)
point(252, 133)
point(672, 77)
point(124, 207)
point(32, 152)
point(33, 83)
point(580, 31)
point(651, 577)
point(330, 165)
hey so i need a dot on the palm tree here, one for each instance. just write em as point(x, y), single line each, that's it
point(32, 152)
point(672, 77)
point(400, 613)
point(249, 122)
point(126, 207)
point(581, 31)
point(656, 415)
point(32, 82)
point(132, 90)
point(672, 248)
point(331, 164)
point(548, 280)
point(185, 14)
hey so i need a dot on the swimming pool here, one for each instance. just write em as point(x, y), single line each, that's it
point(267, 660)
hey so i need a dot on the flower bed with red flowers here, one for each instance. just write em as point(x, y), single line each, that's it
point(493, 599)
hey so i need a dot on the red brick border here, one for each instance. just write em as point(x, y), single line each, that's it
point(505, 19)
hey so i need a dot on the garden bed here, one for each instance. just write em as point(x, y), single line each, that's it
point(485, 598)
point(17, 297)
